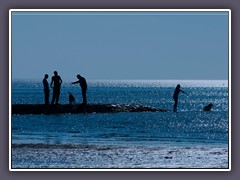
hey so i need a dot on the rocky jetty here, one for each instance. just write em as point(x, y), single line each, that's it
point(77, 109)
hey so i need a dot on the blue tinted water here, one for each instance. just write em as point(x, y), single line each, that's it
point(189, 127)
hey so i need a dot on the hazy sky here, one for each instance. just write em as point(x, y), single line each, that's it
point(120, 45)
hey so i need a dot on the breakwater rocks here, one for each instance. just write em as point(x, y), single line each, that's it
point(79, 108)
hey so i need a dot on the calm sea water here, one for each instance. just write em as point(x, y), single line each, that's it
point(190, 138)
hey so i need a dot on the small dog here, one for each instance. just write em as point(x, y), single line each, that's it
point(71, 98)
point(208, 107)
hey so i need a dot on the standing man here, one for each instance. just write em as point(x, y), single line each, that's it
point(83, 84)
point(175, 97)
point(57, 81)
point(46, 89)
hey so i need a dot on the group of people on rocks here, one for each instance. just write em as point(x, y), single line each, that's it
point(57, 81)
point(56, 85)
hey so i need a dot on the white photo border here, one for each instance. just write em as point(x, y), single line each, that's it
point(120, 10)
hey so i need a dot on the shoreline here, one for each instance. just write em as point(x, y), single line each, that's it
point(116, 156)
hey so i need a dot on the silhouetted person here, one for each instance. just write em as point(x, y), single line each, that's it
point(83, 84)
point(71, 98)
point(175, 97)
point(46, 89)
point(208, 107)
point(57, 81)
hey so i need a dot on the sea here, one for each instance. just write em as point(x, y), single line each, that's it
point(187, 139)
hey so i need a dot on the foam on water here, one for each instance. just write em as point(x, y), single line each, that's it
point(97, 156)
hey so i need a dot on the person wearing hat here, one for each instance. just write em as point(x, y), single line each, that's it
point(83, 84)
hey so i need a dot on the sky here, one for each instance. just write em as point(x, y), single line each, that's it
point(120, 45)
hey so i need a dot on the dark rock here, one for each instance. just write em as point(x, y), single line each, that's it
point(76, 109)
